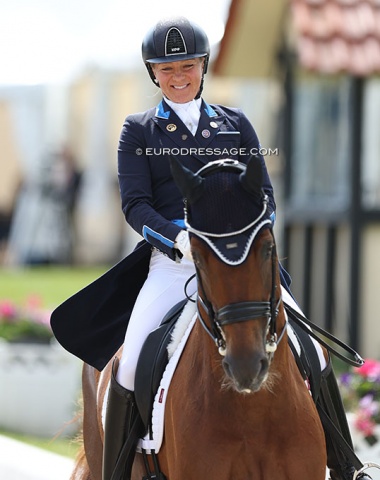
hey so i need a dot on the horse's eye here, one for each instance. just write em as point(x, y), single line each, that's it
point(197, 259)
point(268, 250)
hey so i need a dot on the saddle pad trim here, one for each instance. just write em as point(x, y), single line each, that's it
point(155, 443)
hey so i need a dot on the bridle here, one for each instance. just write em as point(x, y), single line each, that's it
point(239, 311)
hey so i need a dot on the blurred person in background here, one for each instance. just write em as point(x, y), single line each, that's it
point(42, 229)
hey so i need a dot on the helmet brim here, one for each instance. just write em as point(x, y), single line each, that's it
point(176, 58)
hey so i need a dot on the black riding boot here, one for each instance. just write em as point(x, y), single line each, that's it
point(123, 427)
point(330, 402)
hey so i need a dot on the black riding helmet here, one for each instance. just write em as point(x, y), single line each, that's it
point(174, 39)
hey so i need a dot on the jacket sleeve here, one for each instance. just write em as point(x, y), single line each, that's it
point(250, 145)
point(136, 193)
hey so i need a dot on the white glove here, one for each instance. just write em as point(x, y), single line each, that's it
point(182, 243)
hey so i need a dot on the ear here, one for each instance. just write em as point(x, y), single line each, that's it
point(190, 185)
point(252, 178)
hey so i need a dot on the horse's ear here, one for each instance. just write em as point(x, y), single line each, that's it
point(252, 178)
point(190, 185)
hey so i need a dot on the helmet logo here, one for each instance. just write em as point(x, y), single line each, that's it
point(174, 42)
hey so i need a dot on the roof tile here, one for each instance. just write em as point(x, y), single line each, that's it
point(338, 35)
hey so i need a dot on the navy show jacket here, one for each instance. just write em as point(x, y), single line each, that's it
point(150, 198)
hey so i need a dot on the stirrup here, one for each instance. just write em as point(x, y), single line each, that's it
point(365, 467)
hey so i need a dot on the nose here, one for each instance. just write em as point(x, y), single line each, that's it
point(178, 73)
point(246, 373)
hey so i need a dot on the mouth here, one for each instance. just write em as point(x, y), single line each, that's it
point(180, 87)
point(268, 383)
point(254, 386)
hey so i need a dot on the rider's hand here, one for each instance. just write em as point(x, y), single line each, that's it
point(182, 243)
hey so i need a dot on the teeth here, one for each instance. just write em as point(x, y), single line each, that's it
point(179, 88)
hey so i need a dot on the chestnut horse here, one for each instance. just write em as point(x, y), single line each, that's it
point(237, 406)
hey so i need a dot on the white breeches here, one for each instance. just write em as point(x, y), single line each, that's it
point(163, 288)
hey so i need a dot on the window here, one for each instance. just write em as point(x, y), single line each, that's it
point(371, 145)
point(320, 163)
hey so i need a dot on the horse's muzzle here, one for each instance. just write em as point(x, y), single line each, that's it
point(246, 374)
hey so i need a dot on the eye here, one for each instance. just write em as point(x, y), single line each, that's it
point(189, 66)
point(268, 250)
point(197, 259)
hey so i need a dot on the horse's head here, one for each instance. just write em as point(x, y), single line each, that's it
point(234, 253)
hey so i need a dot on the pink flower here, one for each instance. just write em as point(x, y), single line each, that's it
point(364, 424)
point(371, 369)
point(7, 309)
point(361, 395)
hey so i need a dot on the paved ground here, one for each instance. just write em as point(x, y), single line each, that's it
point(19, 461)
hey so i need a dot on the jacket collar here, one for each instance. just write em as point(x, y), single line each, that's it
point(163, 110)
point(170, 124)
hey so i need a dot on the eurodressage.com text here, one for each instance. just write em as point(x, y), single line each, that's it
point(208, 151)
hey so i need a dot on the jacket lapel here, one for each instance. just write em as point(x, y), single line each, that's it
point(172, 126)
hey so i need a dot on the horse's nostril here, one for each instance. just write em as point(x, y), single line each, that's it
point(227, 367)
point(264, 365)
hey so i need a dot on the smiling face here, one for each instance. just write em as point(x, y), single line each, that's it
point(179, 81)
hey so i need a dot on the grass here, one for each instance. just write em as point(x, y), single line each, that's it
point(52, 285)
